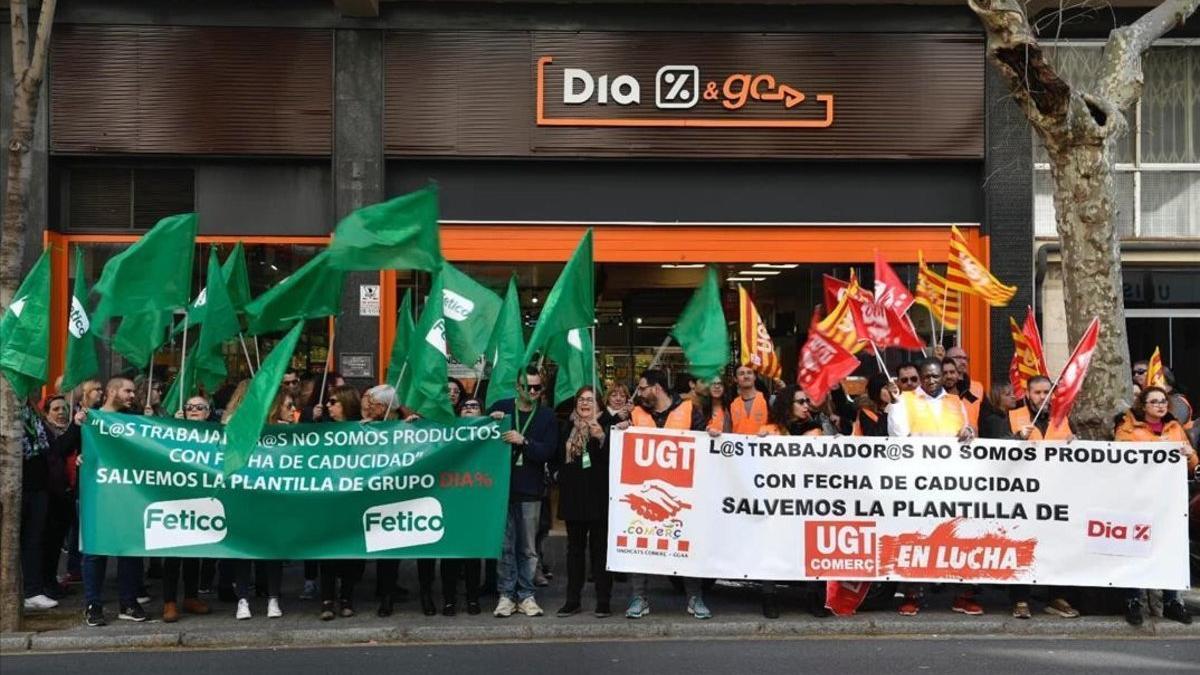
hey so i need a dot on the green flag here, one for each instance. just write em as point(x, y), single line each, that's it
point(399, 234)
point(25, 331)
point(221, 324)
point(506, 349)
point(314, 290)
point(81, 363)
point(237, 279)
point(153, 274)
point(471, 309)
point(572, 301)
point(404, 332)
point(701, 330)
point(575, 356)
point(140, 335)
point(426, 391)
point(171, 400)
point(246, 424)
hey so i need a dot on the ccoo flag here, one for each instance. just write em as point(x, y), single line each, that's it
point(25, 331)
point(399, 234)
point(1070, 382)
point(426, 391)
point(154, 274)
point(246, 424)
point(81, 363)
point(758, 350)
point(572, 301)
point(966, 273)
point(701, 329)
point(506, 349)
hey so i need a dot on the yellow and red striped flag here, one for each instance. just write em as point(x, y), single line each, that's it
point(758, 351)
point(1027, 360)
point(838, 325)
point(966, 273)
point(1154, 370)
point(934, 292)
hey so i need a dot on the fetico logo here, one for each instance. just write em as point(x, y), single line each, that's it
point(412, 522)
point(184, 522)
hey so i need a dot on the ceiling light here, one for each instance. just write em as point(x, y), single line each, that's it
point(744, 278)
point(682, 266)
point(535, 301)
point(761, 272)
point(778, 266)
point(639, 320)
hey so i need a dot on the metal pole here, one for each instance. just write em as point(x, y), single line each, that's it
point(658, 354)
point(182, 367)
point(249, 363)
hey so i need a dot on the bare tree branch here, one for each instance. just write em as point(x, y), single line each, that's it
point(37, 67)
point(1121, 77)
point(18, 12)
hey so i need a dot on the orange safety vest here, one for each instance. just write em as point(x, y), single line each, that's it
point(858, 429)
point(1019, 417)
point(717, 421)
point(1133, 429)
point(748, 424)
point(922, 421)
point(972, 407)
point(679, 418)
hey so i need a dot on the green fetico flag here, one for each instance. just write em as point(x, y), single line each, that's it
point(237, 278)
point(702, 331)
point(25, 331)
point(313, 291)
point(506, 350)
point(247, 422)
point(575, 355)
point(81, 363)
point(155, 487)
point(399, 234)
point(571, 302)
point(470, 309)
point(425, 387)
point(153, 274)
point(404, 332)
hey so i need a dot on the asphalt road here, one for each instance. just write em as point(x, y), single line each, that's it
point(925, 655)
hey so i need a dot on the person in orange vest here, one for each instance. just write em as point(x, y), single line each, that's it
point(657, 407)
point(1151, 420)
point(952, 380)
point(931, 411)
point(1021, 419)
point(718, 407)
point(748, 411)
point(872, 416)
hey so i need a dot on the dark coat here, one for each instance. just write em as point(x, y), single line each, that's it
point(582, 493)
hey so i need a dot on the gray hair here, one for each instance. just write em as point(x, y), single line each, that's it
point(385, 394)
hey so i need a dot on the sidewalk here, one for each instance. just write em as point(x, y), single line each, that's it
point(736, 614)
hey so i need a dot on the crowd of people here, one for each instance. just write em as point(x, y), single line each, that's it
point(564, 449)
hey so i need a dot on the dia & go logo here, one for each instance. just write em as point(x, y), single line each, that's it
point(184, 522)
point(412, 522)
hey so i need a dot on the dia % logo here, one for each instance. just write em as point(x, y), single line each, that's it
point(677, 87)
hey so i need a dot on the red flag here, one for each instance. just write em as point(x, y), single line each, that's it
point(884, 327)
point(843, 598)
point(1066, 390)
point(1028, 359)
point(835, 288)
point(889, 290)
point(823, 363)
point(1035, 341)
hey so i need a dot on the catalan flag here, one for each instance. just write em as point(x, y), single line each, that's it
point(934, 292)
point(1025, 360)
point(839, 325)
point(758, 351)
point(966, 273)
point(1154, 370)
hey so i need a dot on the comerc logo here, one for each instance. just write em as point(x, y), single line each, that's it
point(413, 522)
point(184, 522)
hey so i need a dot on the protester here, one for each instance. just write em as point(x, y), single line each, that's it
point(60, 501)
point(931, 411)
point(791, 415)
point(282, 411)
point(907, 377)
point(658, 408)
point(149, 397)
point(196, 409)
point(457, 390)
point(617, 406)
point(469, 570)
point(748, 411)
point(871, 419)
point(719, 420)
point(120, 396)
point(1150, 419)
point(380, 403)
point(582, 466)
point(1139, 370)
point(995, 415)
point(89, 395)
point(1181, 407)
point(533, 439)
point(338, 577)
point(35, 468)
point(969, 390)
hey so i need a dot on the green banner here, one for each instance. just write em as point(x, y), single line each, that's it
point(155, 487)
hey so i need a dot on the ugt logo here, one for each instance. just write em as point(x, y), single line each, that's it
point(647, 457)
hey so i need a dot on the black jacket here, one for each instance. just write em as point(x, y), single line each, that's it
point(582, 493)
point(528, 481)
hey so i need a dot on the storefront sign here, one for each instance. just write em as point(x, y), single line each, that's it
point(928, 509)
point(152, 486)
point(356, 364)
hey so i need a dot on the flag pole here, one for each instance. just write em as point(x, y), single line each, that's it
point(879, 359)
point(182, 366)
point(932, 325)
point(396, 391)
point(958, 333)
point(945, 300)
point(257, 356)
point(595, 388)
point(1044, 402)
point(328, 361)
point(249, 363)
point(658, 354)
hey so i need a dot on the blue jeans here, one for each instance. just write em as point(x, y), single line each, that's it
point(129, 578)
point(518, 560)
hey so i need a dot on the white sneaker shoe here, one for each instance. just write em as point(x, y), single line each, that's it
point(243, 610)
point(40, 602)
point(505, 608)
point(529, 607)
point(273, 611)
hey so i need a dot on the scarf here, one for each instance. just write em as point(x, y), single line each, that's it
point(577, 440)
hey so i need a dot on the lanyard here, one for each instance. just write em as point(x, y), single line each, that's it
point(528, 420)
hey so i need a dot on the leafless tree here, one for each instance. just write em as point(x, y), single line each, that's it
point(1080, 129)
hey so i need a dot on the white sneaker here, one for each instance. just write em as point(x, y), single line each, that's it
point(505, 607)
point(243, 610)
point(40, 602)
point(529, 607)
point(273, 611)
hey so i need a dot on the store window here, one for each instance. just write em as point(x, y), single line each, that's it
point(1158, 162)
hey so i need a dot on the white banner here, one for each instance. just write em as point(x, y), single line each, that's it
point(919, 509)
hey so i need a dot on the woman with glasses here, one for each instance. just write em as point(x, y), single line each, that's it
point(196, 409)
point(1151, 420)
point(338, 577)
point(282, 411)
point(582, 465)
point(791, 415)
point(717, 403)
point(469, 570)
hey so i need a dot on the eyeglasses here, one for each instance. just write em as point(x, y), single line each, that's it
point(470, 405)
point(1139, 371)
point(1157, 401)
point(910, 379)
point(195, 407)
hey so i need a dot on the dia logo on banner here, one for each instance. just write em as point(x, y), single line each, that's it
point(412, 522)
point(1117, 533)
point(184, 522)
